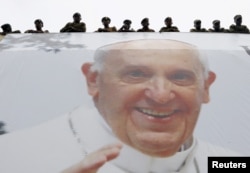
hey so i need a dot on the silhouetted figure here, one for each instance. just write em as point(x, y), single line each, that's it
point(106, 21)
point(2, 130)
point(238, 27)
point(39, 27)
point(145, 26)
point(126, 27)
point(197, 27)
point(76, 25)
point(7, 29)
point(169, 28)
point(217, 27)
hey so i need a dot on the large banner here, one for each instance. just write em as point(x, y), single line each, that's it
point(41, 79)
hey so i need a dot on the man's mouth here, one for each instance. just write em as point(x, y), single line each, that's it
point(156, 114)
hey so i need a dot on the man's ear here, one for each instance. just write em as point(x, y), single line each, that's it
point(208, 82)
point(91, 79)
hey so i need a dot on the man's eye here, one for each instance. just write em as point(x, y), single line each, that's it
point(182, 78)
point(137, 74)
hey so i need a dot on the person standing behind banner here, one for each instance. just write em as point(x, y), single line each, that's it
point(106, 21)
point(39, 27)
point(216, 27)
point(126, 27)
point(145, 26)
point(2, 129)
point(197, 26)
point(238, 27)
point(7, 29)
point(169, 28)
point(76, 25)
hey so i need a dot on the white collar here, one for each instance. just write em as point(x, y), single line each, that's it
point(88, 121)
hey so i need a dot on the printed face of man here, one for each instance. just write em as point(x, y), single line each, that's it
point(150, 93)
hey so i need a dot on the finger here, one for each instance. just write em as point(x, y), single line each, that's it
point(101, 156)
point(110, 151)
point(95, 160)
point(87, 166)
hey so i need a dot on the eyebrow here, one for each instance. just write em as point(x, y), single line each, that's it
point(144, 67)
point(133, 66)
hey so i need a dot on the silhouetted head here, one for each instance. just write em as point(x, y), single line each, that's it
point(106, 21)
point(216, 24)
point(197, 24)
point(145, 22)
point(168, 21)
point(77, 17)
point(6, 28)
point(127, 22)
point(38, 23)
point(238, 19)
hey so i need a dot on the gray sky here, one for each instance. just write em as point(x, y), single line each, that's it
point(55, 14)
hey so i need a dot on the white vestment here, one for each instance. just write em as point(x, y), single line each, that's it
point(52, 147)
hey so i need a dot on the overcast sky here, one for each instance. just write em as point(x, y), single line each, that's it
point(56, 13)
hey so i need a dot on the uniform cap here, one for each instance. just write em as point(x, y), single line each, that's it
point(4, 26)
point(76, 14)
point(105, 19)
point(168, 18)
point(216, 22)
point(127, 21)
point(38, 21)
point(197, 21)
point(237, 17)
point(144, 20)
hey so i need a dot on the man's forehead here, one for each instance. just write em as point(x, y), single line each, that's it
point(160, 48)
point(148, 50)
point(148, 44)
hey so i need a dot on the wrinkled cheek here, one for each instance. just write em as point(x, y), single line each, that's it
point(194, 101)
point(121, 131)
point(191, 121)
point(117, 119)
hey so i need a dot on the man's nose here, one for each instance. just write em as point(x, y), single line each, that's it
point(160, 91)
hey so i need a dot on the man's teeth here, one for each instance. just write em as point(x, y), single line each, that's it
point(156, 113)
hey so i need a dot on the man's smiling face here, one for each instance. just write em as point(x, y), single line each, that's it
point(150, 94)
